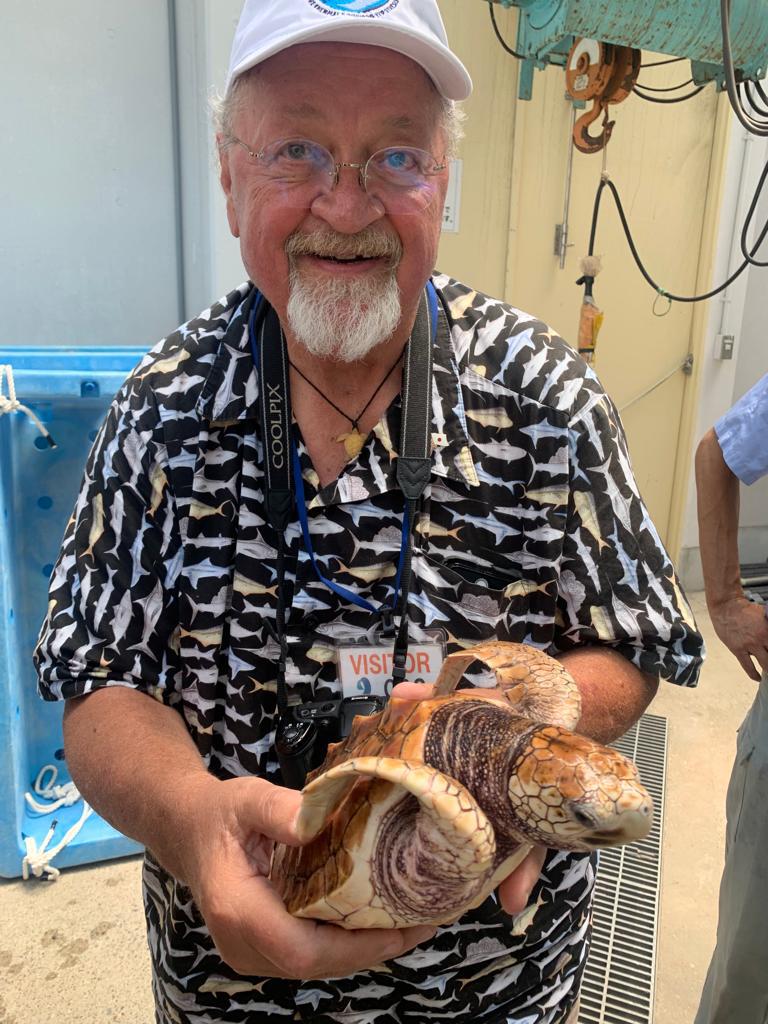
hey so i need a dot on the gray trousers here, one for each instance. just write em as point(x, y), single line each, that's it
point(573, 1016)
point(736, 987)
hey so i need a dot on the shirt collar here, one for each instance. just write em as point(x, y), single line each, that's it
point(231, 391)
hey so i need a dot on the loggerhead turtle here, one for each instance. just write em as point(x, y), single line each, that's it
point(426, 806)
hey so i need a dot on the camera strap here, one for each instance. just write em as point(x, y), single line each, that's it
point(275, 417)
point(414, 464)
point(282, 470)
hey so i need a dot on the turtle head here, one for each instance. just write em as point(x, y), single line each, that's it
point(571, 793)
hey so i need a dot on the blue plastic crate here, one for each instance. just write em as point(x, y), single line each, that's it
point(70, 391)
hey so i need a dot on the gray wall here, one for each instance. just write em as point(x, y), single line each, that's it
point(89, 236)
point(212, 263)
point(742, 311)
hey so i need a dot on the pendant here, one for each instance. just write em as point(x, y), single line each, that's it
point(353, 442)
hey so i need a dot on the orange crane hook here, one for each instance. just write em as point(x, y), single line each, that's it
point(605, 74)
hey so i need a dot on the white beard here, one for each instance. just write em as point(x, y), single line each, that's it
point(341, 319)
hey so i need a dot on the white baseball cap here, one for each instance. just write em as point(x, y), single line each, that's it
point(412, 27)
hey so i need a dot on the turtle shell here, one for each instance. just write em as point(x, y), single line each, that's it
point(426, 806)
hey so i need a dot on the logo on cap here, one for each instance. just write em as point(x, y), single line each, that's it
point(352, 6)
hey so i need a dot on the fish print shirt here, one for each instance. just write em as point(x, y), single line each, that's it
point(531, 530)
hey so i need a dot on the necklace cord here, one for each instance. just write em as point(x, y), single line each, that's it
point(354, 421)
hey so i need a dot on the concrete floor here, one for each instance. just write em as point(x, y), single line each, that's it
point(73, 952)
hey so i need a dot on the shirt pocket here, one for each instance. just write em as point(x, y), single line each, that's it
point(476, 596)
point(743, 776)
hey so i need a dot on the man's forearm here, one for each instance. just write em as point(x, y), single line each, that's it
point(739, 623)
point(135, 763)
point(718, 512)
point(614, 693)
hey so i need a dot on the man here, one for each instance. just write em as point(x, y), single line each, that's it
point(187, 619)
point(736, 449)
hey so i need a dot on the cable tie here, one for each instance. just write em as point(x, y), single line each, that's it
point(661, 294)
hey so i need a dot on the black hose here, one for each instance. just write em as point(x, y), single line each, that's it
point(666, 88)
point(658, 99)
point(508, 49)
point(755, 126)
point(755, 102)
point(607, 183)
point(748, 254)
point(658, 63)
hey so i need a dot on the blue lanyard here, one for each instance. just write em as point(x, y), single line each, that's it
point(343, 592)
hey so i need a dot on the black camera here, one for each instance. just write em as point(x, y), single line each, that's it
point(305, 730)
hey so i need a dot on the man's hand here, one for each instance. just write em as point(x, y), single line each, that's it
point(135, 762)
point(226, 865)
point(743, 627)
point(515, 890)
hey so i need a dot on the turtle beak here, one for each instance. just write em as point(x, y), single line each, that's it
point(627, 825)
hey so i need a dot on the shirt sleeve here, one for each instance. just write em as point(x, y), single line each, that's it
point(112, 605)
point(743, 434)
point(617, 583)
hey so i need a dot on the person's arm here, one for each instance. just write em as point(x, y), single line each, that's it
point(741, 624)
point(135, 763)
point(614, 694)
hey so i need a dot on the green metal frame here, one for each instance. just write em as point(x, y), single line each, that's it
point(680, 28)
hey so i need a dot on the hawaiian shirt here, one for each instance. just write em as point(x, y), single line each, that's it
point(531, 530)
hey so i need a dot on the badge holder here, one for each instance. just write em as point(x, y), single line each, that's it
point(365, 666)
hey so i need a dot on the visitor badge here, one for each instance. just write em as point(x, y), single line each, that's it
point(367, 668)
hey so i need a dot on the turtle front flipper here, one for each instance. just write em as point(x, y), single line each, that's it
point(449, 806)
point(538, 686)
point(421, 849)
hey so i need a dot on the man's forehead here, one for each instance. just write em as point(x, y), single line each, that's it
point(312, 82)
point(306, 110)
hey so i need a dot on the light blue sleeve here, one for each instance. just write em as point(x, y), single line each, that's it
point(743, 434)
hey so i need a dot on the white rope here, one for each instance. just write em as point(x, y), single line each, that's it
point(38, 858)
point(10, 403)
point(63, 796)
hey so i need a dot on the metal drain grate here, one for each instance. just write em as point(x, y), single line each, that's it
point(618, 980)
point(754, 580)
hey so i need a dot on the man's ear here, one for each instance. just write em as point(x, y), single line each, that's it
point(225, 177)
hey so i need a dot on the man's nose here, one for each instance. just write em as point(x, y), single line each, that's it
point(347, 206)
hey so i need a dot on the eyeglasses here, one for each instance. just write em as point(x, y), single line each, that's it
point(399, 176)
